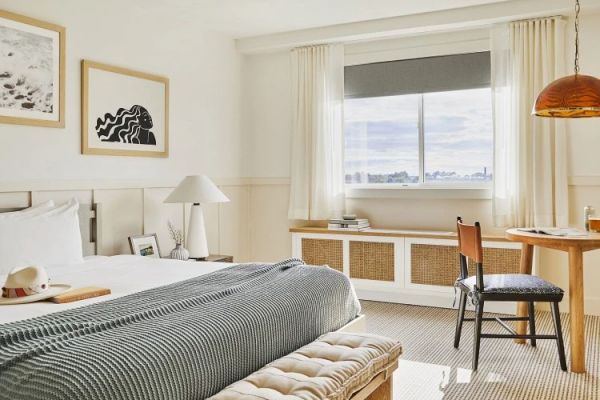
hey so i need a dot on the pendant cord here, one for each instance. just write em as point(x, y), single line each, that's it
point(577, 7)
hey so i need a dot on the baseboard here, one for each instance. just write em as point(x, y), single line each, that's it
point(441, 300)
point(591, 306)
point(428, 299)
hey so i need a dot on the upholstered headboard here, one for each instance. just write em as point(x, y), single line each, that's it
point(89, 225)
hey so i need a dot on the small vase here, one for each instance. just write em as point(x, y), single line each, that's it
point(180, 253)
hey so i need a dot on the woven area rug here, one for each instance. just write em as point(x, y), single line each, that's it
point(430, 367)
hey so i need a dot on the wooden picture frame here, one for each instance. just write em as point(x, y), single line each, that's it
point(135, 95)
point(31, 97)
point(150, 241)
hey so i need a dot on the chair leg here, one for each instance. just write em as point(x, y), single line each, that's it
point(559, 336)
point(477, 334)
point(531, 321)
point(460, 318)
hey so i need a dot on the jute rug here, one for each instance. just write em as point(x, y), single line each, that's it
point(430, 367)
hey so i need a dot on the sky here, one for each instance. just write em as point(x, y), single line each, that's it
point(381, 133)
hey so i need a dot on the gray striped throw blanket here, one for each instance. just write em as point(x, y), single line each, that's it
point(187, 340)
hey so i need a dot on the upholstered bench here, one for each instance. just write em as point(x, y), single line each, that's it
point(337, 366)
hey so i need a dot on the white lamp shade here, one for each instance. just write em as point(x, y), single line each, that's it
point(196, 189)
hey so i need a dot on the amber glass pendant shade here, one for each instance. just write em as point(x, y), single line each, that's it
point(574, 96)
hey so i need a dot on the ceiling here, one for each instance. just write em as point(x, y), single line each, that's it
point(245, 18)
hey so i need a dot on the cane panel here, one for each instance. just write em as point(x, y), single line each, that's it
point(439, 265)
point(323, 252)
point(372, 260)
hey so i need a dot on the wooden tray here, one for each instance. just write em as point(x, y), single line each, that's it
point(80, 294)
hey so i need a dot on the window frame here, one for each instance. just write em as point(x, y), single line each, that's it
point(482, 187)
point(428, 45)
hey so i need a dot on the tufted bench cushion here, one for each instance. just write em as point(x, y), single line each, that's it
point(333, 367)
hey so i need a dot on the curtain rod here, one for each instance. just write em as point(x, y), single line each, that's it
point(539, 18)
point(556, 17)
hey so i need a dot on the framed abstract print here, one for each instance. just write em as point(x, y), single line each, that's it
point(32, 71)
point(124, 112)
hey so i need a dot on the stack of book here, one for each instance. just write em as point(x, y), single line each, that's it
point(340, 224)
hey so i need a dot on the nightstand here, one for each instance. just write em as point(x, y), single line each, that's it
point(217, 258)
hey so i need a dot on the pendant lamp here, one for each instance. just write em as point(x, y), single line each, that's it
point(574, 96)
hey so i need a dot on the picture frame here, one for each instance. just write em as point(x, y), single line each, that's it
point(145, 245)
point(123, 112)
point(32, 71)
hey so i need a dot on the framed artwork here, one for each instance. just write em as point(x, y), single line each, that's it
point(124, 112)
point(145, 245)
point(32, 71)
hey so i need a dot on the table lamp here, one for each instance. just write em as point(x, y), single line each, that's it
point(196, 189)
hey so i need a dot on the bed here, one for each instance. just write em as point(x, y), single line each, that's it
point(169, 330)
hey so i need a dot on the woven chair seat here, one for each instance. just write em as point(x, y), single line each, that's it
point(513, 284)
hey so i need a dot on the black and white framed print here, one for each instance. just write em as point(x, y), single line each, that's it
point(32, 71)
point(145, 245)
point(124, 112)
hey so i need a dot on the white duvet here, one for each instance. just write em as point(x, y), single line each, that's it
point(123, 275)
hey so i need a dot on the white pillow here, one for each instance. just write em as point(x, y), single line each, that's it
point(46, 239)
point(29, 212)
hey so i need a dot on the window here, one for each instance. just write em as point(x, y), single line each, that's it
point(411, 130)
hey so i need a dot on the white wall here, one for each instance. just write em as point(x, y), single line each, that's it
point(204, 69)
point(204, 73)
point(267, 115)
point(267, 121)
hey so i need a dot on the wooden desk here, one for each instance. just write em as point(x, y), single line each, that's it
point(575, 246)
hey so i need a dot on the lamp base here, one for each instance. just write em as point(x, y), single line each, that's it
point(196, 238)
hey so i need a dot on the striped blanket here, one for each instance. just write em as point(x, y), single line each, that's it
point(187, 340)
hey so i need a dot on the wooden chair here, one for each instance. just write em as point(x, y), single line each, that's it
point(500, 287)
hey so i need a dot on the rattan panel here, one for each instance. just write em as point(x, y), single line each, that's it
point(372, 260)
point(323, 252)
point(439, 265)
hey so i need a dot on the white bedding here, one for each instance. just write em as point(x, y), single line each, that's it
point(123, 275)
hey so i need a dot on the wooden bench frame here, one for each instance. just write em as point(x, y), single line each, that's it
point(381, 387)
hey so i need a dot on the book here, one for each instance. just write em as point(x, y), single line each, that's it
point(350, 229)
point(562, 232)
point(345, 226)
point(349, 221)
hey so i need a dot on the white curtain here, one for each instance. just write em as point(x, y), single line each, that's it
point(317, 175)
point(530, 168)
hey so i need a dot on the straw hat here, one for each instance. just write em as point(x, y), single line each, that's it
point(29, 284)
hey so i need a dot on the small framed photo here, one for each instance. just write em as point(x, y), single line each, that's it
point(145, 245)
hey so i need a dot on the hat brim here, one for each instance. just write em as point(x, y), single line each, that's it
point(53, 290)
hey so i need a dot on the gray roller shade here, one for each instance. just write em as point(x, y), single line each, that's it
point(419, 75)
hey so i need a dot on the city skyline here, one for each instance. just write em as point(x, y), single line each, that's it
point(382, 135)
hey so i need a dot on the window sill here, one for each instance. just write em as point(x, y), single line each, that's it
point(418, 192)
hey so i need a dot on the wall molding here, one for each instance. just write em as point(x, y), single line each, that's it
point(584, 180)
point(406, 25)
point(108, 184)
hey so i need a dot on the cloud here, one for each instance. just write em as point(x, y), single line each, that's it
point(381, 134)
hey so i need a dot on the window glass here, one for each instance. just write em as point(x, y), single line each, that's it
point(382, 139)
point(458, 136)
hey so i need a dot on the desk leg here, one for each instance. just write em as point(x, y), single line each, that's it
point(576, 310)
point(525, 268)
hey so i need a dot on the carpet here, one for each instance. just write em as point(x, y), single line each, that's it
point(430, 367)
